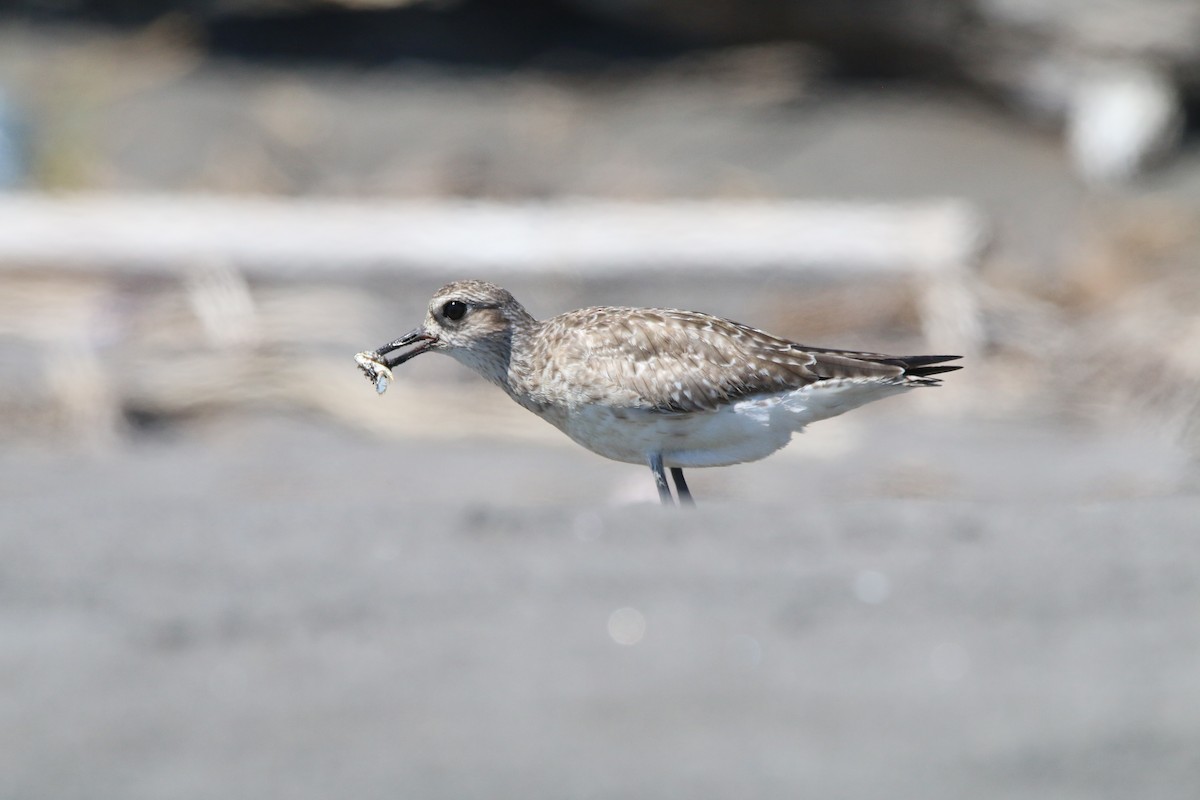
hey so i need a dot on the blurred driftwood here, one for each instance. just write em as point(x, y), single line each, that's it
point(294, 237)
point(937, 243)
point(145, 306)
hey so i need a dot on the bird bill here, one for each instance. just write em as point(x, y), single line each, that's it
point(375, 370)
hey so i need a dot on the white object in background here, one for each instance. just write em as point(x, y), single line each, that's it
point(1121, 118)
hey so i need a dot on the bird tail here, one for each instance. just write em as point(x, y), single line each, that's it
point(921, 368)
point(911, 370)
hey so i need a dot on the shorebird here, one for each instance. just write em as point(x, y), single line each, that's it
point(659, 387)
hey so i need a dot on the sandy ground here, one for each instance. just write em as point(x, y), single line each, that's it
point(271, 608)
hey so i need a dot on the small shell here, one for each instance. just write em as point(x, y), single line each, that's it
point(375, 370)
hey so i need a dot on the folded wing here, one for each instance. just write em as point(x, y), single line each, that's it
point(679, 361)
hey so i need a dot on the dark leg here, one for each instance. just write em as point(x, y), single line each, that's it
point(660, 478)
point(685, 497)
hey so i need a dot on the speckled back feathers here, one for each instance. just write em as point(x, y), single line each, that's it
point(660, 360)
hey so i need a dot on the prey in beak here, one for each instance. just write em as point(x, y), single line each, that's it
point(376, 365)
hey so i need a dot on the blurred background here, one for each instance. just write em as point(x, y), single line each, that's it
point(227, 568)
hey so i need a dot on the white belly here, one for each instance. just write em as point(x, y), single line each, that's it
point(746, 430)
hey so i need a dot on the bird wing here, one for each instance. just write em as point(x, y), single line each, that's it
point(680, 361)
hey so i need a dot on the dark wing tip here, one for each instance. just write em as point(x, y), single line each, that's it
point(925, 366)
point(925, 372)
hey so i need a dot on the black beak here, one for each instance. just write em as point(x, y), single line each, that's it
point(418, 337)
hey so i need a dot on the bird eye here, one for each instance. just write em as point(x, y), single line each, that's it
point(454, 310)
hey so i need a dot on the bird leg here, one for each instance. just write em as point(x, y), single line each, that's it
point(660, 478)
point(681, 488)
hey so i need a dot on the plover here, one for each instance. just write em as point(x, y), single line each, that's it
point(664, 388)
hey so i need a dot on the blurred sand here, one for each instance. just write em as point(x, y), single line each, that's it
point(267, 608)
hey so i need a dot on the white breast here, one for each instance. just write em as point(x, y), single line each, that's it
point(746, 430)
